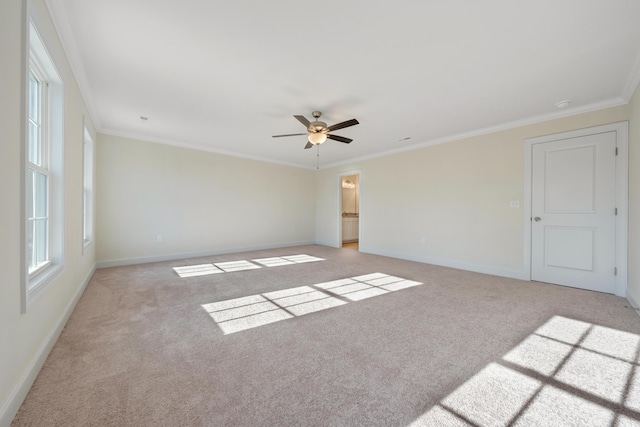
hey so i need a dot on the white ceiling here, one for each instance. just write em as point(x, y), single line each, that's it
point(226, 75)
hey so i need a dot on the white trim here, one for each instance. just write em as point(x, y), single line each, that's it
point(60, 19)
point(172, 143)
point(632, 81)
point(622, 203)
point(622, 195)
point(12, 403)
point(450, 264)
point(184, 255)
point(634, 303)
point(37, 51)
point(614, 102)
point(88, 227)
point(24, 170)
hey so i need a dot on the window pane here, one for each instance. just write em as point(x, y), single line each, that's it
point(31, 233)
point(35, 152)
point(41, 243)
point(85, 216)
point(38, 221)
point(41, 195)
point(35, 120)
point(34, 98)
point(30, 194)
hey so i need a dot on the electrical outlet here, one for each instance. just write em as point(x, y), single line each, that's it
point(514, 204)
point(159, 238)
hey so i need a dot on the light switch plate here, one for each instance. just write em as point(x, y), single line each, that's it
point(514, 204)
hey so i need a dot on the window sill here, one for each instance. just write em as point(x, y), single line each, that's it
point(42, 279)
point(86, 245)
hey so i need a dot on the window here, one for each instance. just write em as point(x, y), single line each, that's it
point(87, 228)
point(43, 208)
point(37, 174)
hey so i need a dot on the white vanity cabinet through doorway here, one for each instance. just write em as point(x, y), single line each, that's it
point(350, 228)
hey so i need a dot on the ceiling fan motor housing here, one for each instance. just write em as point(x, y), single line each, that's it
point(317, 126)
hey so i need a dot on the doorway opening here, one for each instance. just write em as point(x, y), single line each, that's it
point(350, 211)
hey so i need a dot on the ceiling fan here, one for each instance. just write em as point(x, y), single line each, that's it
point(318, 131)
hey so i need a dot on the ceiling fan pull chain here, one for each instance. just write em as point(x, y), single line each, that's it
point(318, 157)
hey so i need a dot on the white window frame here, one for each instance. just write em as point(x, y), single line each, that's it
point(39, 166)
point(87, 189)
point(38, 61)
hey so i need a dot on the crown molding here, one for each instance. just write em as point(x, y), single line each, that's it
point(632, 81)
point(60, 19)
point(613, 102)
point(179, 144)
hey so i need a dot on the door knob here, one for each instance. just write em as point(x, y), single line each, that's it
point(536, 219)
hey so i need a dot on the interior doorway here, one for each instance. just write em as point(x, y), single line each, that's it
point(350, 211)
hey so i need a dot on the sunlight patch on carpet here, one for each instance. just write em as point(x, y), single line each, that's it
point(236, 266)
point(273, 262)
point(495, 394)
point(302, 258)
point(245, 313)
point(197, 270)
point(242, 265)
point(567, 372)
point(560, 408)
point(249, 312)
point(367, 286)
point(287, 260)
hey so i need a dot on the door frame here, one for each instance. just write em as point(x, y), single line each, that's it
point(622, 194)
point(339, 177)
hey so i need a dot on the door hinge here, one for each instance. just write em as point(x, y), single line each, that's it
point(615, 211)
point(616, 151)
point(615, 271)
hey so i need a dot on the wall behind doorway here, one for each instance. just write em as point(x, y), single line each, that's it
point(449, 204)
point(351, 197)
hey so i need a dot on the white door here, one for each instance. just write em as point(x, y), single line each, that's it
point(573, 212)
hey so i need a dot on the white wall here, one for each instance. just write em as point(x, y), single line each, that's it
point(25, 339)
point(199, 202)
point(633, 290)
point(447, 204)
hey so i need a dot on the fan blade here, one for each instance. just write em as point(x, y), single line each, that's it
point(289, 134)
point(339, 138)
point(309, 145)
point(303, 120)
point(342, 125)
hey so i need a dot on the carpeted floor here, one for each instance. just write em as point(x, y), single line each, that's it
point(328, 343)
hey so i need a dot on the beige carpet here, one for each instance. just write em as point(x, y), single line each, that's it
point(350, 340)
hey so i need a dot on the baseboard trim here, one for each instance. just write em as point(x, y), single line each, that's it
point(12, 404)
point(451, 264)
point(634, 302)
point(329, 244)
point(184, 255)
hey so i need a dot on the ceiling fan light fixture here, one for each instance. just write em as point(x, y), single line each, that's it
point(317, 138)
